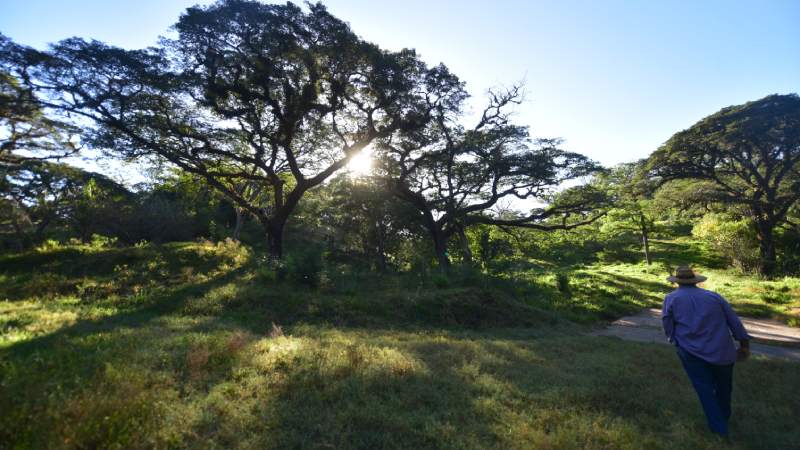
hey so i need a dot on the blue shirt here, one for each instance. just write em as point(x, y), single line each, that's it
point(701, 322)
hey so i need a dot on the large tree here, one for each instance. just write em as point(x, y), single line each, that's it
point(27, 130)
point(631, 195)
point(273, 96)
point(36, 194)
point(455, 176)
point(751, 155)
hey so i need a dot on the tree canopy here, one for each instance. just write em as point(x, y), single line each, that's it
point(454, 175)
point(27, 130)
point(751, 155)
point(269, 94)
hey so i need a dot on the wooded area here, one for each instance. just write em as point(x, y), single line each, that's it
point(253, 109)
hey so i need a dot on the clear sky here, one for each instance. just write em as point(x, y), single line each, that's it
point(613, 78)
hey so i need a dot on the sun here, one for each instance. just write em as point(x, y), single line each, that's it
point(361, 164)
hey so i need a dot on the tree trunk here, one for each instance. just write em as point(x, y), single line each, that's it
point(384, 263)
point(465, 246)
point(239, 222)
point(381, 235)
point(440, 247)
point(39, 232)
point(276, 224)
point(275, 238)
point(766, 247)
point(645, 240)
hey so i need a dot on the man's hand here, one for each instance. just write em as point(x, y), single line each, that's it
point(744, 351)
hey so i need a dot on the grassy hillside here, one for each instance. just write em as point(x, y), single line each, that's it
point(198, 345)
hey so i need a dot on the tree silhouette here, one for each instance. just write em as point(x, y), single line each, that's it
point(271, 95)
point(454, 175)
point(27, 131)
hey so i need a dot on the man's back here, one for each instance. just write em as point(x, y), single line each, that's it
point(701, 322)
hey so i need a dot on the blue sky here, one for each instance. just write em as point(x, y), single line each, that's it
point(614, 78)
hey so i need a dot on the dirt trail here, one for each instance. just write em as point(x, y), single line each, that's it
point(770, 338)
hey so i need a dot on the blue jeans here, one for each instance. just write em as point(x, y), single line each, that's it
point(713, 385)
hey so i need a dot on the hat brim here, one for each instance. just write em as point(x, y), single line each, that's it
point(694, 280)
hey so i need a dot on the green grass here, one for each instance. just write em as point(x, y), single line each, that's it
point(777, 299)
point(195, 345)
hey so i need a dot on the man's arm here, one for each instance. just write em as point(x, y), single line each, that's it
point(667, 320)
point(737, 330)
point(744, 350)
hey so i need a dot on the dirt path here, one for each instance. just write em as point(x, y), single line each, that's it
point(771, 338)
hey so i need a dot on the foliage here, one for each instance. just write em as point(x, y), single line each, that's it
point(735, 239)
point(252, 97)
point(563, 247)
point(45, 199)
point(28, 130)
point(455, 176)
point(562, 282)
point(42, 194)
point(305, 266)
point(361, 221)
point(788, 244)
point(750, 155)
point(633, 212)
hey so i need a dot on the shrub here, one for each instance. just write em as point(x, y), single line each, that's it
point(99, 241)
point(305, 266)
point(48, 245)
point(777, 298)
point(733, 238)
point(469, 275)
point(788, 244)
point(562, 282)
point(440, 280)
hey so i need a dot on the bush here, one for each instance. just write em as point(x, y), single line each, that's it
point(777, 298)
point(99, 241)
point(734, 239)
point(788, 245)
point(305, 266)
point(562, 282)
point(48, 245)
point(440, 280)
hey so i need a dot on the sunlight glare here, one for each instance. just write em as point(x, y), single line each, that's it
point(361, 164)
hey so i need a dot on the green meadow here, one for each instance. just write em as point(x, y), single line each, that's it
point(197, 345)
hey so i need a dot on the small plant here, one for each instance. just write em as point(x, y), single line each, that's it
point(776, 298)
point(48, 245)
point(305, 267)
point(276, 331)
point(99, 241)
point(562, 282)
point(440, 280)
point(196, 360)
point(266, 274)
point(470, 275)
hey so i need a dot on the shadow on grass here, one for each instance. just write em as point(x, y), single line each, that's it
point(61, 271)
point(153, 307)
point(601, 295)
point(358, 387)
point(485, 391)
point(678, 252)
point(767, 311)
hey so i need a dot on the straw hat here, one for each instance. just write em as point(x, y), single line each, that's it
point(685, 275)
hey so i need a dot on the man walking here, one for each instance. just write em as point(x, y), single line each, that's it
point(700, 323)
